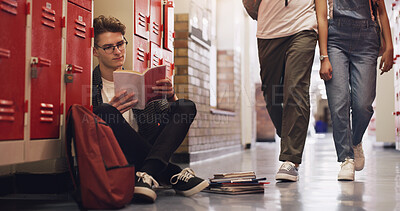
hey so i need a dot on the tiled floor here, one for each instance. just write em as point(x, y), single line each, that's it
point(377, 187)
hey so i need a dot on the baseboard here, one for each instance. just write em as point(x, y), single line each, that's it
point(27, 183)
point(7, 184)
point(204, 155)
point(265, 140)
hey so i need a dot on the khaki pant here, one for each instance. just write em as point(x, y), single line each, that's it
point(285, 74)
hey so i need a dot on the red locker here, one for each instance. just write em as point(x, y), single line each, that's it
point(46, 68)
point(156, 55)
point(12, 68)
point(78, 70)
point(155, 22)
point(169, 32)
point(141, 54)
point(168, 59)
point(142, 18)
point(87, 4)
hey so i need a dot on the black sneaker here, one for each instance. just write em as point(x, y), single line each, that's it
point(186, 183)
point(143, 188)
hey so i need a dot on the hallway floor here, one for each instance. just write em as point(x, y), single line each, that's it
point(377, 187)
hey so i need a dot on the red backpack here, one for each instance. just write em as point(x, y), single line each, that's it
point(103, 179)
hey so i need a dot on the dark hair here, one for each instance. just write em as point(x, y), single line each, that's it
point(103, 24)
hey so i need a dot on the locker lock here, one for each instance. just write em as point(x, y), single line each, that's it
point(37, 62)
point(68, 76)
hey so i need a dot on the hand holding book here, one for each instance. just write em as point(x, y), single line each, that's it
point(123, 101)
point(164, 87)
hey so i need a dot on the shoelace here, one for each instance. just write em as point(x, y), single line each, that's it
point(184, 175)
point(287, 166)
point(147, 179)
point(344, 164)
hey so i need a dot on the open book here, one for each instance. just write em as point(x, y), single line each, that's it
point(140, 83)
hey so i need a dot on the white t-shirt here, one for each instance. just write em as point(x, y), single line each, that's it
point(107, 93)
point(275, 20)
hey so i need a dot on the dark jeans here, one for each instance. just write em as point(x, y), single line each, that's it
point(152, 154)
point(285, 74)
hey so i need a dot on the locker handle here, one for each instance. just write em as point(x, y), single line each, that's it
point(74, 68)
point(41, 62)
point(170, 4)
point(4, 53)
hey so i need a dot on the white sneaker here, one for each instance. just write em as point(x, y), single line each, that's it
point(346, 172)
point(359, 159)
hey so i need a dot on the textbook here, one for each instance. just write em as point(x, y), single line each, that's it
point(248, 174)
point(236, 183)
point(140, 83)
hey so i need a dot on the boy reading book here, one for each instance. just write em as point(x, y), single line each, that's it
point(147, 137)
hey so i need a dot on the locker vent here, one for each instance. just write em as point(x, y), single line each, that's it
point(48, 16)
point(46, 112)
point(156, 60)
point(156, 28)
point(9, 6)
point(142, 19)
point(80, 28)
point(141, 54)
point(7, 110)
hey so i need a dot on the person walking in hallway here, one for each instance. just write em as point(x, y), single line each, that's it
point(349, 47)
point(286, 32)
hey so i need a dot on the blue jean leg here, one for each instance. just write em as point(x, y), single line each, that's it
point(363, 91)
point(353, 50)
point(338, 92)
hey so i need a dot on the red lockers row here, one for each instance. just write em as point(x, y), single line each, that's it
point(150, 25)
point(154, 34)
point(32, 72)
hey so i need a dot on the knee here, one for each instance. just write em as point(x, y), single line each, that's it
point(362, 107)
point(108, 113)
point(188, 107)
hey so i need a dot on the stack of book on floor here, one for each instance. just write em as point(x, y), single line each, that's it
point(236, 183)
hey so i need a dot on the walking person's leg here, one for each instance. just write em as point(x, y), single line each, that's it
point(363, 88)
point(296, 106)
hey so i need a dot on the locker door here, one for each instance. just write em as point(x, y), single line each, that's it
point(141, 54)
point(168, 59)
point(156, 55)
point(87, 4)
point(142, 18)
point(169, 33)
point(46, 68)
point(78, 56)
point(12, 69)
point(155, 22)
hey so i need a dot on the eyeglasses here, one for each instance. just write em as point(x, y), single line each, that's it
point(109, 49)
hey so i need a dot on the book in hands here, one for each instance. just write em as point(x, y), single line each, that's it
point(141, 84)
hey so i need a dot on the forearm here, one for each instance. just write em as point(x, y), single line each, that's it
point(321, 10)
